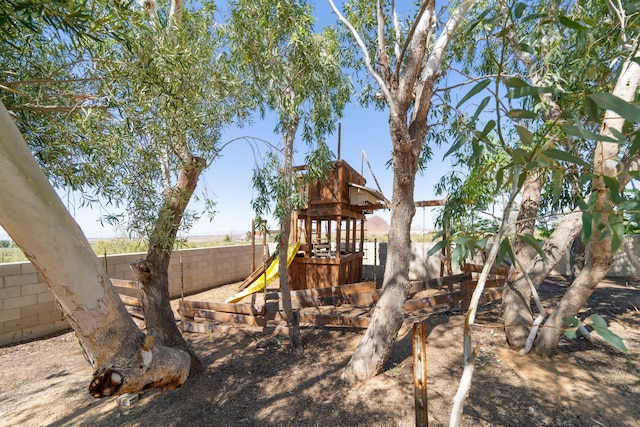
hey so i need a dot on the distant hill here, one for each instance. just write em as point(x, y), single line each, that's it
point(376, 225)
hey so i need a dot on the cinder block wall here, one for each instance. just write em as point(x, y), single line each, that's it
point(28, 309)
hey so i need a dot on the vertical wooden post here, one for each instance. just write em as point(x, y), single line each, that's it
point(253, 245)
point(375, 261)
point(420, 373)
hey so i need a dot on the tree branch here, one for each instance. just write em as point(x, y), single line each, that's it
point(382, 48)
point(396, 26)
point(175, 14)
point(367, 60)
point(434, 60)
point(417, 38)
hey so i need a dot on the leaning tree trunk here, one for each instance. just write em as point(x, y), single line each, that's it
point(153, 271)
point(125, 361)
point(600, 255)
point(517, 294)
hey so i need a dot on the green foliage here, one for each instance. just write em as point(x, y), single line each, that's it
point(554, 101)
point(599, 325)
point(118, 246)
point(80, 19)
point(296, 73)
point(116, 120)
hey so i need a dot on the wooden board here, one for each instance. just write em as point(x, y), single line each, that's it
point(130, 284)
point(439, 282)
point(224, 317)
point(236, 308)
point(432, 301)
point(335, 320)
point(131, 301)
point(475, 268)
point(305, 294)
point(207, 328)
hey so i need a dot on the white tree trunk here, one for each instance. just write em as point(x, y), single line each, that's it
point(34, 216)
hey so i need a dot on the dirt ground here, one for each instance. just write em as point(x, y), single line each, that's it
point(254, 380)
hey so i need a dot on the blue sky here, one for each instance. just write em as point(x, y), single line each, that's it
point(228, 180)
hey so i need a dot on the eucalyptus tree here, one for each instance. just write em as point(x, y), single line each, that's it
point(403, 62)
point(560, 135)
point(146, 121)
point(295, 72)
point(124, 359)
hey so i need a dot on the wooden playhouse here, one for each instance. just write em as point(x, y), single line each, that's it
point(331, 229)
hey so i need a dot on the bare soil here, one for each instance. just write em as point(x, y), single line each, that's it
point(255, 380)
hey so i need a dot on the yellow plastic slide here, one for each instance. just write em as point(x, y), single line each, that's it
point(271, 273)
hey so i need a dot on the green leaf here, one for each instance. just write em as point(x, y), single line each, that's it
point(519, 92)
point(608, 101)
point(616, 227)
point(459, 143)
point(437, 247)
point(519, 156)
point(481, 107)
point(474, 91)
point(505, 249)
point(533, 242)
point(587, 220)
point(598, 320)
point(592, 110)
point(614, 189)
point(515, 82)
point(610, 337)
point(488, 128)
point(499, 178)
point(571, 333)
point(525, 135)
point(556, 154)
point(572, 324)
point(585, 134)
point(519, 10)
point(570, 23)
point(519, 113)
point(632, 7)
point(635, 145)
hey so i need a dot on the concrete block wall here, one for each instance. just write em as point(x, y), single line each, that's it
point(424, 268)
point(28, 309)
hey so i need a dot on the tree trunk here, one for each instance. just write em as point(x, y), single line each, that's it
point(292, 317)
point(526, 221)
point(576, 296)
point(388, 315)
point(600, 255)
point(631, 257)
point(577, 254)
point(517, 293)
point(36, 219)
point(153, 272)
